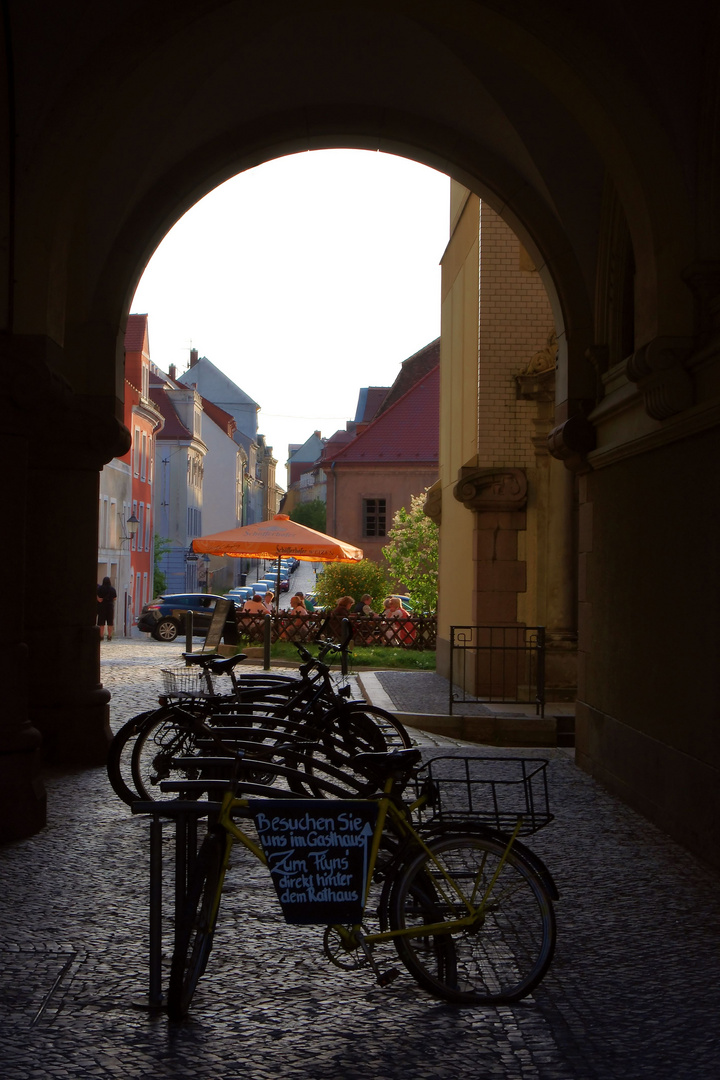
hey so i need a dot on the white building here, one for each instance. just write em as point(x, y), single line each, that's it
point(179, 468)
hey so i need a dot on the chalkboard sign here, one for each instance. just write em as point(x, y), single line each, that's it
point(317, 852)
point(218, 623)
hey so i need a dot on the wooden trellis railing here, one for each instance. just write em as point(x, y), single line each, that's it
point(411, 632)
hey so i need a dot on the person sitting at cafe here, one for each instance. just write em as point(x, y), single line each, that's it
point(366, 631)
point(340, 611)
point(268, 602)
point(297, 604)
point(298, 627)
point(255, 606)
point(363, 606)
point(403, 632)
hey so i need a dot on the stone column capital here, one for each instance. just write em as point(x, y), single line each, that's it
point(492, 489)
point(658, 368)
point(433, 503)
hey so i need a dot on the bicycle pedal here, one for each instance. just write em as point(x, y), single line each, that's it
point(387, 977)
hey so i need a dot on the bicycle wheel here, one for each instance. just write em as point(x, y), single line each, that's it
point(338, 737)
point(504, 953)
point(357, 717)
point(161, 741)
point(119, 758)
point(194, 935)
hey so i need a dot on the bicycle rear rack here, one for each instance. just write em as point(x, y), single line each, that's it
point(489, 791)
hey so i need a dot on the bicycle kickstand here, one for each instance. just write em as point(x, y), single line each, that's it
point(382, 978)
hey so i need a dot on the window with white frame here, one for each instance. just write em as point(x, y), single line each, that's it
point(113, 524)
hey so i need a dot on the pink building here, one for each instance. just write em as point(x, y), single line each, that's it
point(394, 457)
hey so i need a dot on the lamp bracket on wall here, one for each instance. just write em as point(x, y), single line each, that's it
point(129, 528)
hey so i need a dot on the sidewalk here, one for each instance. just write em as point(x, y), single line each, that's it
point(422, 700)
point(632, 993)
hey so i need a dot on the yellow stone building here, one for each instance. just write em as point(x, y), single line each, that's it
point(507, 509)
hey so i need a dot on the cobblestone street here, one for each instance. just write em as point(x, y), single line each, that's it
point(633, 992)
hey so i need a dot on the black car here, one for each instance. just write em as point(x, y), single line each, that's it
point(165, 617)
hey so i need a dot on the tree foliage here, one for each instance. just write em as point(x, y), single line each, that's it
point(161, 546)
point(313, 514)
point(352, 579)
point(412, 554)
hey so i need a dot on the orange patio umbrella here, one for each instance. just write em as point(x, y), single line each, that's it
point(279, 536)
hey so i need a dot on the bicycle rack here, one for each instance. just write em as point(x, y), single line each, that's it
point(186, 814)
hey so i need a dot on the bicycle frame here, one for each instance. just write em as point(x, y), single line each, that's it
point(354, 937)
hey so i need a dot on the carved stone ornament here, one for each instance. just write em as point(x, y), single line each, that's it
point(658, 370)
point(499, 490)
point(545, 359)
point(536, 386)
point(572, 441)
point(433, 503)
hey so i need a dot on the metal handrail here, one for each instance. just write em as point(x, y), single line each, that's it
point(508, 666)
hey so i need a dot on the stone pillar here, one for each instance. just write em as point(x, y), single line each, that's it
point(56, 442)
point(22, 794)
point(561, 586)
point(68, 705)
point(498, 497)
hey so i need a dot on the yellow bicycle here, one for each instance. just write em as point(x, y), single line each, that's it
point(444, 876)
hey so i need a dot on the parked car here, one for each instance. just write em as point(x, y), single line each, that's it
point(240, 594)
point(272, 582)
point(166, 616)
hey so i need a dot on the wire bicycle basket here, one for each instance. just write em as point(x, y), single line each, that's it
point(494, 792)
point(184, 682)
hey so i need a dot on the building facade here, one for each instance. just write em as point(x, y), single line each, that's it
point(125, 554)
point(179, 471)
point(393, 457)
point(261, 495)
point(507, 509)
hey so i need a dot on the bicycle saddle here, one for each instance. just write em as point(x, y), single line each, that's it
point(219, 665)
point(385, 764)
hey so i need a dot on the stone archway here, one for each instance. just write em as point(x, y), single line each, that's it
point(113, 127)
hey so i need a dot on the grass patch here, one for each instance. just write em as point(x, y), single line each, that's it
point(392, 659)
point(367, 657)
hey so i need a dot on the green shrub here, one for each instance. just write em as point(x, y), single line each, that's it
point(351, 579)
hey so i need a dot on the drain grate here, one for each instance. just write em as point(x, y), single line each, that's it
point(32, 980)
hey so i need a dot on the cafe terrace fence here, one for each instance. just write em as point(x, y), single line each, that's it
point(411, 632)
point(499, 664)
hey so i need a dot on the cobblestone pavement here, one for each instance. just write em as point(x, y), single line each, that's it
point(632, 993)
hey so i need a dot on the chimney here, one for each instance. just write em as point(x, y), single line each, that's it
point(193, 357)
point(172, 372)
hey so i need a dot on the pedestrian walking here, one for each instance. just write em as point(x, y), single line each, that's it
point(106, 597)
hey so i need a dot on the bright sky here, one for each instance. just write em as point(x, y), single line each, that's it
point(303, 280)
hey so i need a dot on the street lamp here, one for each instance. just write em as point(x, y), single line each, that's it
point(131, 527)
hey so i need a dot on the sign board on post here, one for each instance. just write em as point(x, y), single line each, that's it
point(317, 852)
point(217, 627)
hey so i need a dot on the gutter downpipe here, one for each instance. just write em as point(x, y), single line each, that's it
point(334, 521)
